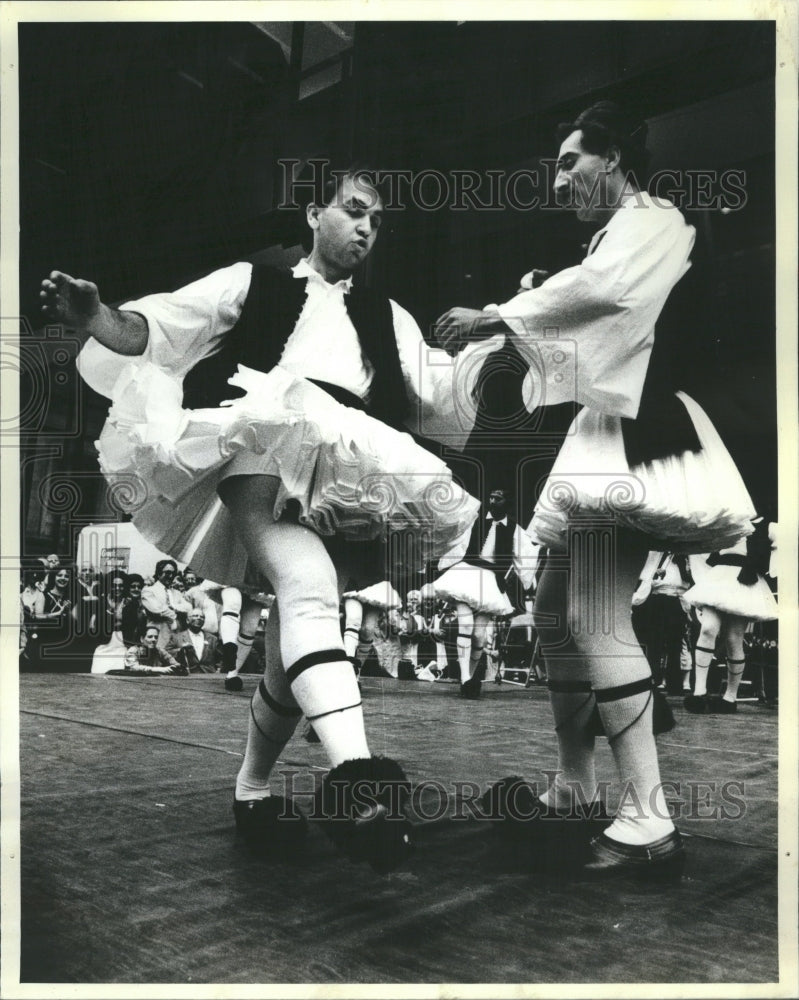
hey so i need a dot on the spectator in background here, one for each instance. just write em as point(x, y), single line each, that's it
point(109, 652)
point(111, 604)
point(32, 606)
point(659, 616)
point(34, 583)
point(151, 657)
point(86, 599)
point(412, 628)
point(55, 626)
point(195, 649)
point(162, 602)
point(133, 616)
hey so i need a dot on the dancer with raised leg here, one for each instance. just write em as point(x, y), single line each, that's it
point(294, 481)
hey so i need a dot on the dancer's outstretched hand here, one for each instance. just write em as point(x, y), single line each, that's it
point(69, 300)
point(458, 327)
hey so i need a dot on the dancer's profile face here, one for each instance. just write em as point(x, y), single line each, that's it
point(581, 178)
point(345, 230)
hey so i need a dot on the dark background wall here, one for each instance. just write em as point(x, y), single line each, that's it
point(148, 155)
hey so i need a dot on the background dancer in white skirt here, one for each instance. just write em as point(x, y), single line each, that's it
point(362, 609)
point(730, 591)
point(642, 468)
point(283, 481)
point(479, 585)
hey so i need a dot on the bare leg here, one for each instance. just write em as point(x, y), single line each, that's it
point(273, 718)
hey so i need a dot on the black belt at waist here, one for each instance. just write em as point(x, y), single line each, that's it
point(727, 559)
point(341, 395)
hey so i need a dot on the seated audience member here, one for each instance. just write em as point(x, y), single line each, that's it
point(194, 648)
point(56, 624)
point(150, 658)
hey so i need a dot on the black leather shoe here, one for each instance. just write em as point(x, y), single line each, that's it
point(360, 806)
point(270, 825)
point(720, 706)
point(516, 811)
point(661, 861)
point(234, 683)
point(696, 704)
point(472, 688)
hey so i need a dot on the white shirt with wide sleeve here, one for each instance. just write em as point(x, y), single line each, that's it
point(188, 325)
point(588, 331)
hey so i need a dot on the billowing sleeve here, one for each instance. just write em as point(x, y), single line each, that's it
point(588, 331)
point(184, 327)
point(440, 388)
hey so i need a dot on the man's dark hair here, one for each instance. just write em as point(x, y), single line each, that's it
point(159, 566)
point(606, 124)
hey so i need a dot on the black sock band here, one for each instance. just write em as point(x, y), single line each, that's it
point(352, 631)
point(231, 614)
point(704, 649)
point(623, 691)
point(312, 660)
point(465, 635)
point(569, 687)
point(345, 708)
point(284, 710)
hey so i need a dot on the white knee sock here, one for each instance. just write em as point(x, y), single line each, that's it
point(271, 726)
point(642, 817)
point(326, 689)
point(704, 657)
point(572, 704)
point(735, 671)
point(244, 643)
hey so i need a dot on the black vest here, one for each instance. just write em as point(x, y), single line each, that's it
point(503, 544)
point(273, 305)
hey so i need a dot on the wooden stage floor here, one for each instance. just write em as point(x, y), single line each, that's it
point(131, 872)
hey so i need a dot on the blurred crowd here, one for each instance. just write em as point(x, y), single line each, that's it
point(79, 619)
point(168, 622)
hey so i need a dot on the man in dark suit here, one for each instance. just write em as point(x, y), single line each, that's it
point(193, 647)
